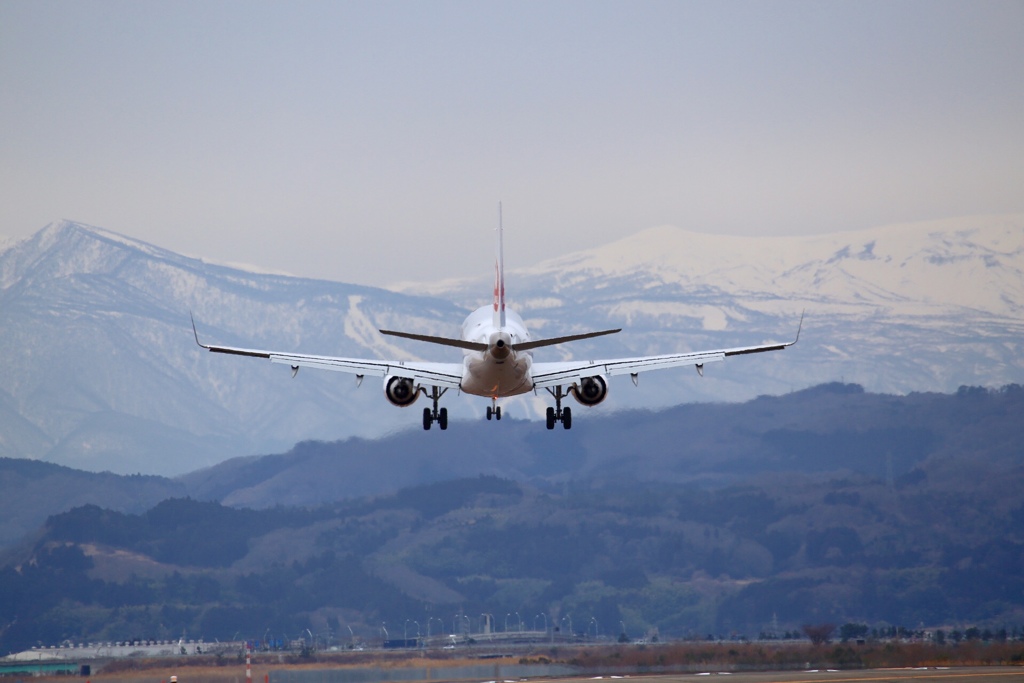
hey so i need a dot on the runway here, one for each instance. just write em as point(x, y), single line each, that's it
point(981, 674)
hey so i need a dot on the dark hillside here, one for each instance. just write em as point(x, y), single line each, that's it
point(825, 429)
point(675, 560)
point(828, 505)
point(31, 491)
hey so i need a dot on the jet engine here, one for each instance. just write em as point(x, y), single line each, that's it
point(590, 391)
point(401, 391)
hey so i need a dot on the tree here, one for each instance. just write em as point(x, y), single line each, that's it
point(850, 631)
point(819, 634)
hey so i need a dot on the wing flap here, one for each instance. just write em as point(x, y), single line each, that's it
point(435, 374)
point(553, 374)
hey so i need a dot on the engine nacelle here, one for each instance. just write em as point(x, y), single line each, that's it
point(590, 391)
point(401, 391)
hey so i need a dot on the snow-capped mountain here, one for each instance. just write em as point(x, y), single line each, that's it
point(101, 370)
point(917, 307)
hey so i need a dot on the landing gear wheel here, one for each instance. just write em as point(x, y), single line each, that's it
point(558, 413)
point(432, 415)
point(497, 413)
point(490, 412)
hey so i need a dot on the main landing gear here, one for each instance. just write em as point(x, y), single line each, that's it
point(432, 415)
point(494, 410)
point(558, 413)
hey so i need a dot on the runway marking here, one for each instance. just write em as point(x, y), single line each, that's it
point(882, 677)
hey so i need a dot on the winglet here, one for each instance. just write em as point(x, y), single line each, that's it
point(192, 318)
point(799, 327)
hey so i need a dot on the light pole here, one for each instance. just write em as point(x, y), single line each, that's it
point(519, 622)
point(594, 621)
point(542, 614)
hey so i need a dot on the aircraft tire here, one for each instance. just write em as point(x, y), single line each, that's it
point(567, 418)
point(497, 413)
point(490, 412)
point(442, 418)
point(427, 418)
point(551, 417)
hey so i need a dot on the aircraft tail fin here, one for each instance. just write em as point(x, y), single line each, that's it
point(499, 278)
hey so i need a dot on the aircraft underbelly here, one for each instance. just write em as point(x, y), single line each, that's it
point(485, 377)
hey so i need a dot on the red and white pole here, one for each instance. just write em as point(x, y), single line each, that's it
point(248, 664)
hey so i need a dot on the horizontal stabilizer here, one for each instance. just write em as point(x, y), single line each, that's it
point(443, 341)
point(526, 346)
point(479, 346)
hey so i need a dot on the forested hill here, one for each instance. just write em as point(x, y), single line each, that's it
point(912, 515)
point(830, 428)
point(30, 491)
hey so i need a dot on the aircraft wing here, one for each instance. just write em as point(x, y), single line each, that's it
point(567, 372)
point(435, 374)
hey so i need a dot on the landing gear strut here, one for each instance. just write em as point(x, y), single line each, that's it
point(558, 413)
point(494, 410)
point(432, 415)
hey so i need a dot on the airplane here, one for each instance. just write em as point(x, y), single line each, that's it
point(497, 362)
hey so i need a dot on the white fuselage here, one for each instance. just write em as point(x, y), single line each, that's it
point(500, 370)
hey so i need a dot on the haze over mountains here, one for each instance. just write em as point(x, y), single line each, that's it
point(101, 372)
point(827, 504)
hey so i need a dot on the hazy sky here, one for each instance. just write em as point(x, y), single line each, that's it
point(371, 141)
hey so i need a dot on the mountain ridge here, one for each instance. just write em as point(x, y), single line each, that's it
point(707, 445)
point(673, 255)
point(828, 428)
point(102, 370)
point(98, 325)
